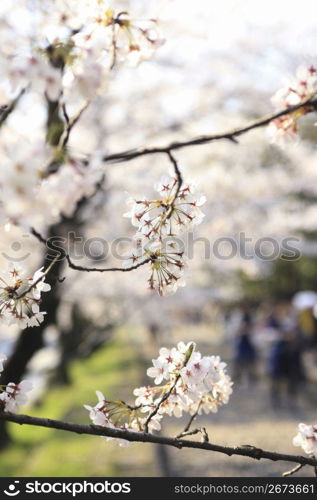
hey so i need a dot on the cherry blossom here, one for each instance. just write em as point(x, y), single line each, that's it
point(158, 371)
point(96, 413)
point(12, 396)
point(306, 438)
point(60, 191)
point(2, 359)
point(297, 90)
point(177, 210)
point(192, 384)
point(196, 378)
point(167, 267)
point(20, 297)
point(158, 222)
point(36, 71)
point(173, 357)
point(15, 396)
point(144, 396)
point(76, 44)
point(39, 283)
point(166, 263)
point(129, 38)
point(114, 414)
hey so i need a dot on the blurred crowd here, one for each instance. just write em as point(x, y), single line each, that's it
point(277, 341)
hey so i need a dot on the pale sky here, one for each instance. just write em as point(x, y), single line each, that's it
point(227, 20)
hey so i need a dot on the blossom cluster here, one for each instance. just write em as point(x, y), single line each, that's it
point(185, 382)
point(77, 42)
point(297, 91)
point(159, 222)
point(175, 211)
point(20, 297)
point(199, 383)
point(54, 64)
point(306, 438)
point(32, 195)
point(13, 395)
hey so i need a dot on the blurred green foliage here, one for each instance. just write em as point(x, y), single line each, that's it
point(286, 277)
point(44, 452)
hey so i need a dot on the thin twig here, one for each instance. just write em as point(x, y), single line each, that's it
point(246, 451)
point(70, 123)
point(104, 269)
point(231, 135)
point(191, 420)
point(64, 255)
point(159, 404)
point(47, 270)
point(179, 178)
point(199, 430)
point(6, 110)
point(293, 471)
point(188, 433)
point(114, 47)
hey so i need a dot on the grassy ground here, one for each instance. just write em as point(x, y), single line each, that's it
point(46, 452)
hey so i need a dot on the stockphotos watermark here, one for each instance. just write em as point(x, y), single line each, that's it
point(62, 487)
point(223, 248)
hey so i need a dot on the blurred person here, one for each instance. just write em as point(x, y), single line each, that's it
point(245, 355)
point(307, 322)
point(286, 369)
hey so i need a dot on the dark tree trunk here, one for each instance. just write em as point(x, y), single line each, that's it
point(30, 340)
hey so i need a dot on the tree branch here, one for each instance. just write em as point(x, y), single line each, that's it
point(65, 255)
point(46, 271)
point(189, 423)
point(104, 269)
point(179, 178)
point(293, 471)
point(5, 111)
point(161, 401)
point(230, 135)
point(70, 123)
point(95, 430)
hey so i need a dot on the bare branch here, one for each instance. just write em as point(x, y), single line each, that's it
point(189, 423)
point(178, 175)
point(162, 400)
point(6, 110)
point(293, 471)
point(231, 135)
point(64, 255)
point(46, 271)
point(199, 430)
point(95, 430)
point(70, 123)
point(104, 269)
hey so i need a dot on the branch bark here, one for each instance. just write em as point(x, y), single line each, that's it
point(75, 267)
point(230, 135)
point(95, 430)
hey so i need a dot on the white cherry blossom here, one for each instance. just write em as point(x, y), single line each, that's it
point(158, 371)
point(20, 297)
point(306, 438)
point(177, 210)
point(193, 384)
point(297, 90)
point(2, 359)
point(15, 395)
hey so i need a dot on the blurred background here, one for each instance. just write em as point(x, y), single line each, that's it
point(252, 274)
